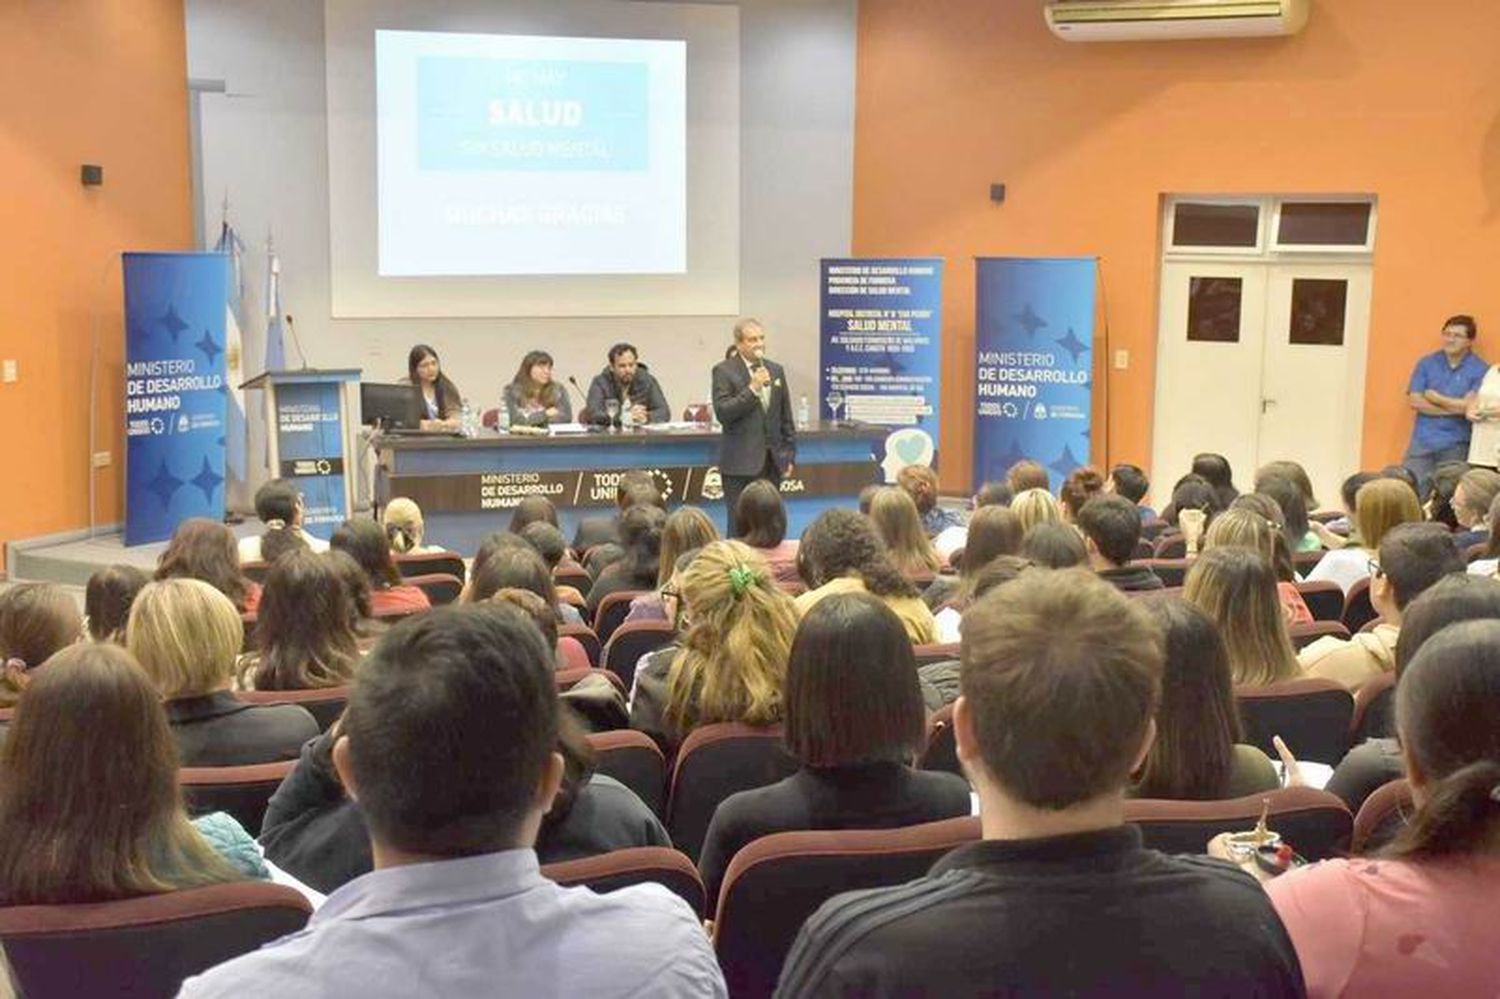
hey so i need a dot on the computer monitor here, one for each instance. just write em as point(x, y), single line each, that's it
point(389, 407)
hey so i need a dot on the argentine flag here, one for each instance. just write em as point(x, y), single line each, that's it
point(235, 431)
point(275, 348)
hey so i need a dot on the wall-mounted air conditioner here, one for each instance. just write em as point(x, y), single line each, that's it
point(1155, 20)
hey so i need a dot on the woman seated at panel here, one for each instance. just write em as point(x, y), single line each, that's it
point(107, 599)
point(760, 522)
point(1236, 588)
point(854, 720)
point(1198, 755)
point(439, 404)
point(533, 398)
point(405, 529)
point(1378, 506)
point(186, 635)
point(37, 620)
point(894, 514)
point(90, 808)
point(366, 543)
point(1249, 524)
point(732, 663)
point(686, 529)
point(841, 553)
point(304, 637)
point(205, 549)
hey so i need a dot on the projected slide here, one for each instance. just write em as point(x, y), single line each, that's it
point(516, 154)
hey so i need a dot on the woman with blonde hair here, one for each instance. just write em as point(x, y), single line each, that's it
point(732, 664)
point(1036, 506)
point(187, 635)
point(404, 528)
point(1237, 589)
point(1244, 527)
point(36, 620)
point(686, 529)
point(1378, 506)
point(894, 514)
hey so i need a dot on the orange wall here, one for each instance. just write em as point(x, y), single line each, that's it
point(1384, 96)
point(85, 81)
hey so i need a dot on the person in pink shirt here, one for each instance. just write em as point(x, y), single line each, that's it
point(365, 541)
point(760, 522)
point(1421, 918)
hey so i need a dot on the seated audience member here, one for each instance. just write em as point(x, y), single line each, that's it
point(1130, 481)
point(1055, 546)
point(186, 635)
point(1293, 472)
point(550, 543)
point(1439, 499)
point(920, 482)
point(1404, 474)
point(943, 674)
point(1252, 523)
point(107, 599)
point(1081, 485)
point(1027, 474)
point(1338, 533)
point(279, 506)
point(953, 539)
point(686, 529)
point(1412, 557)
point(992, 531)
point(1287, 494)
point(90, 809)
point(731, 666)
point(628, 384)
point(365, 542)
point(906, 544)
point(532, 510)
point(1489, 561)
point(204, 549)
point(404, 528)
point(640, 537)
point(534, 398)
point(1036, 506)
point(1197, 755)
point(1472, 499)
point(455, 869)
point(1046, 657)
point(658, 662)
point(492, 543)
point(854, 720)
point(867, 497)
point(304, 635)
point(1419, 919)
point(1378, 506)
point(993, 494)
point(636, 487)
point(36, 621)
point(360, 602)
point(1214, 469)
point(519, 568)
point(1450, 600)
point(1111, 527)
point(1237, 589)
point(1192, 493)
point(760, 522)
point(841, 553)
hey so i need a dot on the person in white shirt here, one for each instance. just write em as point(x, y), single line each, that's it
point(1378, 506)
point(278, 504)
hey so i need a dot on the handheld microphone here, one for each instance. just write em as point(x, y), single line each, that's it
point(760, 358)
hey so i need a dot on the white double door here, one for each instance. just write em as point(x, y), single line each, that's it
point(1261, 361)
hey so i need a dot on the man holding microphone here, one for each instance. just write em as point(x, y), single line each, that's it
point(754, 406)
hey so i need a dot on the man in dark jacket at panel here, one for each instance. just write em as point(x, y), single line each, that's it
point(754, 406)
point(631, 385)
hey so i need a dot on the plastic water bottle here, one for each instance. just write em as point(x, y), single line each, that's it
point(466, 420)
point(804, 413)
point(502, 418)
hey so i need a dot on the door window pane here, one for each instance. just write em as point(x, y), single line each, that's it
point(1324, 223)
point(1214, 309)
point(1200, 224)
point(1318, 306)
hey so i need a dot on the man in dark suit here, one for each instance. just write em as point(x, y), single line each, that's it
point(754, 406)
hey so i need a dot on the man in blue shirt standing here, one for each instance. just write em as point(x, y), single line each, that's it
point(1442, 385)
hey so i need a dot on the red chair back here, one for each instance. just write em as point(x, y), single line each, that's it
point(324, 703)
point(1171, 571)
point(941, 752)
point(1316, 823)
point(612, 611)
point(636, 865)
point(585, 637)
point(1324, 599)
point(936, 653)
point(440, 587)
point(635, 760)
point(1382, 816)
point(1311, 714)
point(443, 563)
point(242, 791)
point(575, 576)
point(632, 640)
point(714, 762)
point(1374, 710)
point(1358, 611)
point(1170, 545)
point(1303, 635)
point(571, 651)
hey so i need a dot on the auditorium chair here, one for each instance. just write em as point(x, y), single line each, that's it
point(1358, 611)
point(1170, 545)
point(1303, 562)
point(585, 637)
point(446, 563)
point(941, 750)
point(1311, 715)
point(1303, 635)
point(774, 883)
point(714, 762)
point(1171, 571)
point(1374, 710)
point(440, 587)
point(1382, 817)
point(242, 791)
point(143, 946)
point(567, 678)
point(325, 704)
point(575, 576)
point(636, 865)
point(635, 760)
point(1324, 599)
point(1316, 823)
point(571, 654)
point(632, 640)
point(1143, 549)
point(1153, 528)
point(935, 653)
point(612, 612)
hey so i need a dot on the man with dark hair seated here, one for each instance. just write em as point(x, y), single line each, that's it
point(448, 745)
point(1060, 682)
point(1130, 481)
point(1111, 527)
point(1411, 558)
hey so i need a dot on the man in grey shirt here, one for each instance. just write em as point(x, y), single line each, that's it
point(448, 746)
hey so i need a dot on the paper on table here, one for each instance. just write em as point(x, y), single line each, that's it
point(568, 428)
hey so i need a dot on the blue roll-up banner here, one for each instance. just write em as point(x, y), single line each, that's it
point(881, 350)
point(1034, 325)
point(310, 450)
point(174, 390)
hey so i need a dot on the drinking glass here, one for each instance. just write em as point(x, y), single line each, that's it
point(612, 410)
point(835, 400)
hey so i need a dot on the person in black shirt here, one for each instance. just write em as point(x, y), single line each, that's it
point(1060, 680)
point(1111, 527)
point(854, 717)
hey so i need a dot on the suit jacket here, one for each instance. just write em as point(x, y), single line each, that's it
point(750, 429)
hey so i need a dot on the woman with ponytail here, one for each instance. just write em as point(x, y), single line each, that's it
point(737, 636)
point(1420, 918)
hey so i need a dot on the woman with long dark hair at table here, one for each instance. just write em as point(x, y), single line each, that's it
point(439, 402)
